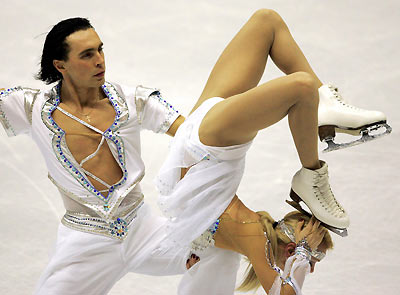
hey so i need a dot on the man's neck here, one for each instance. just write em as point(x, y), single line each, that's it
point(79, 96)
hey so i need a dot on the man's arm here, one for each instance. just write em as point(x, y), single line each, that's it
point(16, 105)
point(174, 127)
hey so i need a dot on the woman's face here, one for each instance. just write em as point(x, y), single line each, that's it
point(313, 262)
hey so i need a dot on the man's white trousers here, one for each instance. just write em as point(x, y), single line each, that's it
point(89, 264)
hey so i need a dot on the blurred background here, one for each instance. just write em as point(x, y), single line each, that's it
point(172, 45)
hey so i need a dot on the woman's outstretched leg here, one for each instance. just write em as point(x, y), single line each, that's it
point(238, 119)
point(242, 63)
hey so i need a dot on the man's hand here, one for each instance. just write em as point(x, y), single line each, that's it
point(172, 130)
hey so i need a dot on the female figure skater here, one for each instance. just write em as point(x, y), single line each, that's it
point(199, 180)
point(280, 253)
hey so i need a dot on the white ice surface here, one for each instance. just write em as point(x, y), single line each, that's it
point(173, 45)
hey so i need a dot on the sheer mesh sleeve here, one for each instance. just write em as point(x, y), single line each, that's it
point(154, 112)
point(16, 109)
point(296, 269)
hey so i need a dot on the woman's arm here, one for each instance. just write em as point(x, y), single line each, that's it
point(174, 127)
point(269, 278)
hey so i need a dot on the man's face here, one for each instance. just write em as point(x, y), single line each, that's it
point(85, 65)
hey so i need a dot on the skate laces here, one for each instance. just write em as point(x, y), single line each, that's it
point(323, 191)
point(335, 91)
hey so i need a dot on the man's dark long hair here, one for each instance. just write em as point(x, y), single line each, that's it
point(56, 48)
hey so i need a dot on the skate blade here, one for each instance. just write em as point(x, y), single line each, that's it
point(296, 204)
point(365, 136)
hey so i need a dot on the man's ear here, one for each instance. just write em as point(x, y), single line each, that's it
point(289, 249)
point(59, 65)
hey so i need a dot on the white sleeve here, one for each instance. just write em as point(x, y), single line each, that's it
point(154, 112)
point(16, 109)
point(296, 269)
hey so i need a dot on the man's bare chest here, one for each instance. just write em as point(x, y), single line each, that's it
point(81, 139)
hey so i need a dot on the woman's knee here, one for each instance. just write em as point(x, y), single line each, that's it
point(306, 86)
point(267, 16)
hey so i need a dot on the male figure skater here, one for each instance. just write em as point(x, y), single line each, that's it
point(88, 131)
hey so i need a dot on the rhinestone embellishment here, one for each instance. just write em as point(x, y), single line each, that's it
point(119, 227)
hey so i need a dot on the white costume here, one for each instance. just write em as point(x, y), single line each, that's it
point(103, 237)
point(194, 203)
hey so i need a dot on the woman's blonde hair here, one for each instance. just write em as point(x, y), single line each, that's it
point(276, 237)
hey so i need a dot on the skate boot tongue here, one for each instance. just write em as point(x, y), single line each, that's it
point(323, 189)
point(334, 91)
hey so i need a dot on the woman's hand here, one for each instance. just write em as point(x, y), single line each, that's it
point(313, 232)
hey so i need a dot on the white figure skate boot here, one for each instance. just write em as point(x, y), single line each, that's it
point(336, 115)
point(312, 187)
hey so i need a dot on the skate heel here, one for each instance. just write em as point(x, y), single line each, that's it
point(326, 132)
point(295, 197)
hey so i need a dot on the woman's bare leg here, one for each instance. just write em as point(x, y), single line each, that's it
point(238, 119)
point(242, 63)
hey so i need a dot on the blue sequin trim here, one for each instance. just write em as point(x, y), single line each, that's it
point(117, 228)
point(214, 227)
point(6, 92)
point(157, 95)
point(172, 112)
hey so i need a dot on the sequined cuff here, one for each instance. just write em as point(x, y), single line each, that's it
point(303, 251)
point(206, 239)
point(161, 113)
point(171, 113)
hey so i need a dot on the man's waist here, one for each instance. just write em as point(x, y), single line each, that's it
point(77, 199)
point(117, 228)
